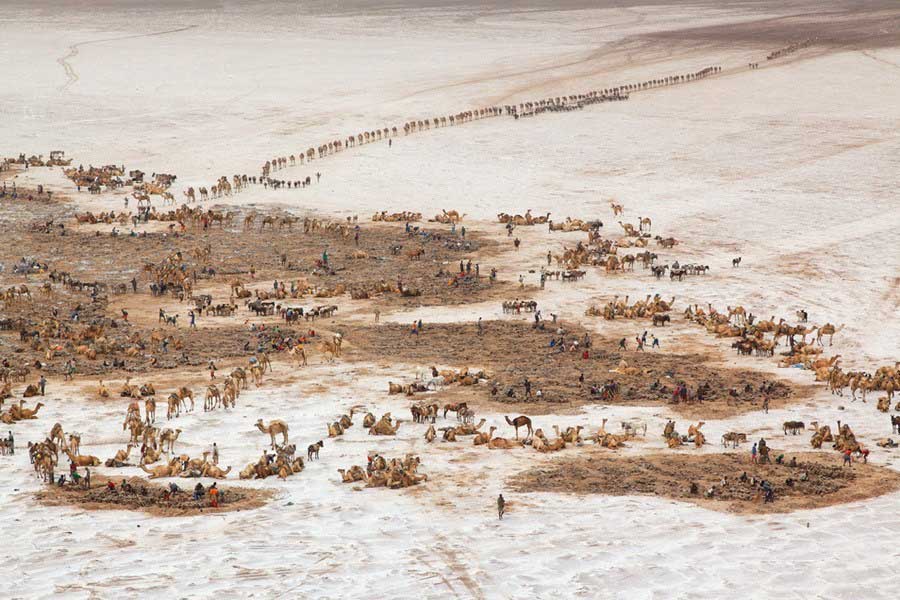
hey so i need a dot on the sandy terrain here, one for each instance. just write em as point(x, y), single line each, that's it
point(792, 166)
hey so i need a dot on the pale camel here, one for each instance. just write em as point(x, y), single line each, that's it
point(829, 330)
point(169, 437)
point(504, 444)
point(162, 471)
point(274, 427)
point(430, 434)
point(210, 470)
point(83, 460)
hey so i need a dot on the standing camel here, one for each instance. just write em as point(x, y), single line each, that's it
point(520, 421)
point(274, 427)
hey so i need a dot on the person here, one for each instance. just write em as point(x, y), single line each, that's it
point(87, 478)
point(517, 242)
point(173, 488)
point(377, 315)
point(501, 506)
point(864, 452)
point(11, 443)
point(420, 325)
point(848, 458)
point(462, 231)
point(110, 486)
point(480, 327)
point(390, 142)
point(623, 344)
point(212, 370)
point(318, 177)
point(581, 378)
point(62, 480)
point(549, 258)
point(42, 382)
point(214, 496)
point(199, 490)
point(124, 315)
point(72, 467)
point(766, 405)
point(193, 318)
point(325, 256)
point(521, 281)
point(543, 280)
point(215, 454)
point(527, 385)
point(655, 342)
point(644, 337)
point(753, 453)
point(640, 343)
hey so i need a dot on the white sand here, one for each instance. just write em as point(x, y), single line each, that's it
point(794, 167)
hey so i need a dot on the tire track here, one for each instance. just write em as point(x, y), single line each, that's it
point(72, 75)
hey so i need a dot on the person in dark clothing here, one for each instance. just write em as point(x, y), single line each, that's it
point(501, 506)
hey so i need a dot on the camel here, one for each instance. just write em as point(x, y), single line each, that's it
point(150, 410)
point(470, 429)
point(174, 406)
point(83, 460)
point(169, 437)
point(369, 420)
point(75, 443)
point(356, 473)
point(484, 438)
point(122, 455)
point(150, 456)
point(248, 472)
point(162, 471)
point(102, 390)
point(212, 398)
point(504, 444)
point(449, 434)
point(384, 427)
point(430, 434)
point(572, 435)
point(644, 221)
point(335, 429)
point(274, 427)
point(829, 330)
point(520, 421)
point(693, 430)
point(214, 472)
point(30, 413)
point(58, 435)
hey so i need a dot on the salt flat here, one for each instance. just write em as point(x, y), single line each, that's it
point(793, 166)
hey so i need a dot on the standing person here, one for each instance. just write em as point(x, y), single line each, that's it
point(124, 315)
point(753, 453)
point(212, 370)
point(193, 319)
point(766, 405)
point(655, 342)
point(215, 454)
point(325, 257)
point(521, 282)
point(11, 443)
point(517, 242)
point(640, 343)
point(623, 344)
point(848, 458)
point(527, 385)
point(214, 496)
point(390, 142)
point(356, 236)
point(549, 258)
point(543, 279)
point(462, 231)
point(377, 315)
point(480, 327)
point(318, 177)
point(42, 382)
point(501, 506)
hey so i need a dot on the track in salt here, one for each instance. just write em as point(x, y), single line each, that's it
point(72, 75)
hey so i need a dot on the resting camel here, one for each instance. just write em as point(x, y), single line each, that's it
point(369, 420)
point(520, 421)
point(484, 438)
point(83, 460)
point(504, 444)
point(163, 470)
point(210, 470)
point(274, 427)
point(384, 427)
point(122, 455)
point(29, 413)
point(430, 434)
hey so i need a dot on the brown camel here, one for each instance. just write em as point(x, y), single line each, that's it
point(520, 421)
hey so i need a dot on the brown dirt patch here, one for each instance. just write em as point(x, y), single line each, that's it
point(182, 505)
point(511, 350)
point(671, 475)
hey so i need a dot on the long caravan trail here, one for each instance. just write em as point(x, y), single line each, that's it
point(72, 75)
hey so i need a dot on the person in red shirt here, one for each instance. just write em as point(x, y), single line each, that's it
point(847, 458)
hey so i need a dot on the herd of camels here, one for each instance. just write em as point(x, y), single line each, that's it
point(761, 337)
